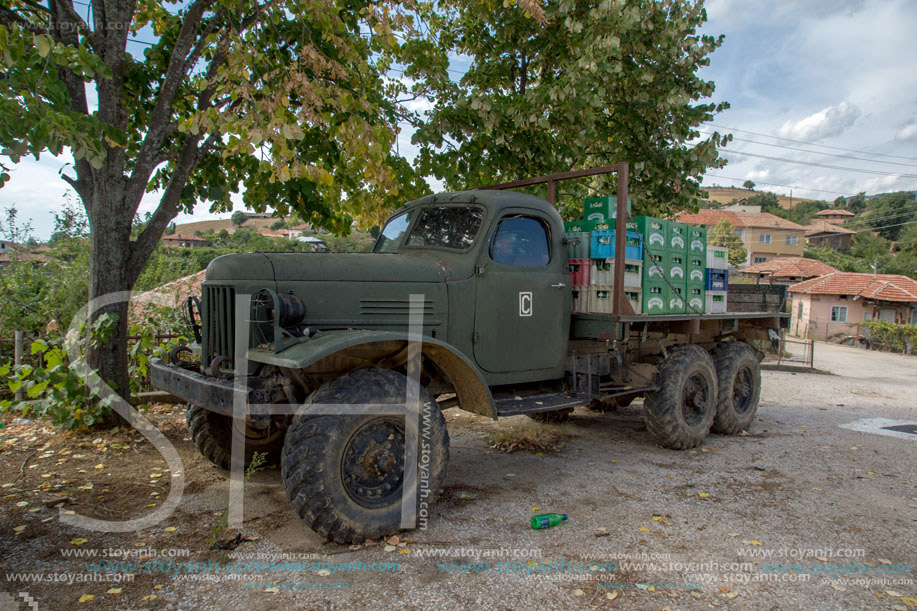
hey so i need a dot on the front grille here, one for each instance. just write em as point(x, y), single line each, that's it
point(219, 307)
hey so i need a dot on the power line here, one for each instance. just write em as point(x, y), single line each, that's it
point(885, 227)
point(821, 165)
point(771, 184)
point(836, 148)
point(793, 148)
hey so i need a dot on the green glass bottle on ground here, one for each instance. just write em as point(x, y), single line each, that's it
point(547, 520)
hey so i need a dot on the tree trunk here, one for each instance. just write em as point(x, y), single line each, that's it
point(110, 274)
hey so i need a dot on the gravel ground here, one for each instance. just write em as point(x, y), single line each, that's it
point(688, 530)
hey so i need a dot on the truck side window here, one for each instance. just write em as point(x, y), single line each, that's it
point(520, 240)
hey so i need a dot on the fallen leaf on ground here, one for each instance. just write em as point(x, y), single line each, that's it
point(611, 595)
point(78, 541)
point(85, 598)
point(703, 495)
point(114, 591)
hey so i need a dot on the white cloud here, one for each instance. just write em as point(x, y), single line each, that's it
point(908, 132)
point(832, 121)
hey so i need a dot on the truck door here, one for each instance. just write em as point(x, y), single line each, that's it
point(523, 298)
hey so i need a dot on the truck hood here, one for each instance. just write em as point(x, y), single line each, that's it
point(329, 267)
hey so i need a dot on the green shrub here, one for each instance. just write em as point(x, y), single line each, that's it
point(891, 336)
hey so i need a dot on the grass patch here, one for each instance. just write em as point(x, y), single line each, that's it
point(529, 437)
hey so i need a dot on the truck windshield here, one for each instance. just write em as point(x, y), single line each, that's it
point(390, 238)
point(453, 227)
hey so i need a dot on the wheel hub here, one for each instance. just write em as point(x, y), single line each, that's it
point(372, 465)
point(742, 390)
point(694, 400)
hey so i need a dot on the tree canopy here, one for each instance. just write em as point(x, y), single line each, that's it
point(588, 85)
point(724, 234)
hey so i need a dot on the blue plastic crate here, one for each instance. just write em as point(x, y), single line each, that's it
point(717, 280)
point(603, 245)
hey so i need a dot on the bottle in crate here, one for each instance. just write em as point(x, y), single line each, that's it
point(600, 271)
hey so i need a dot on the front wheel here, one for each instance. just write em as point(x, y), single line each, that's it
point(212, 435)
point(345, 474)
point(680, 413)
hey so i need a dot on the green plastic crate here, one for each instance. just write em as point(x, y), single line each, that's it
point(676, 267)
point(655, 298)
point(653, 231)
point(694, 272)
point(696, 298)
point(697, 241)
point(677, 299)
point(602, 208)
point(676, 237)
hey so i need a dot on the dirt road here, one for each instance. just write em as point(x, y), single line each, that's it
point(800, 513)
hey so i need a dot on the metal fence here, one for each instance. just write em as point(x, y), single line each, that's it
point(793, 352)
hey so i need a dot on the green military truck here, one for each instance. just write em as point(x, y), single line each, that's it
point(492, 307)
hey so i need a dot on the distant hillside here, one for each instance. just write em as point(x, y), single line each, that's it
point(218, 225)
point(724, 195)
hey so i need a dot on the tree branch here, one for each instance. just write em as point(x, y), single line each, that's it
point(67, 14)
point(175, 74)
point(190, 155)
point(9, 17)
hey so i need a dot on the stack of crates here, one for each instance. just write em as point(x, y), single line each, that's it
point(695, 271)
point(602, 270)
point(673, 266)
point(716, 279)
point(591, 257)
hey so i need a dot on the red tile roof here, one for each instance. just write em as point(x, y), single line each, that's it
point(882, 287)
point(790, 267)
point(825, 227)
point(737, 219)
point(830, 212)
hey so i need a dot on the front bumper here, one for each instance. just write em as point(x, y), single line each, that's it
point(212, 394)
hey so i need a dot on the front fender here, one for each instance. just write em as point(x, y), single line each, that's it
point(468, 381)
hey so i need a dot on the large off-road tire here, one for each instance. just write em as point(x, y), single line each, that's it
point(344, 474)
point(212, 435)
point(680, 413)
point(556, 416)
point(738, 375)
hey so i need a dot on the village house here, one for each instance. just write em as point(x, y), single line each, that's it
point(765, 235)
point(786, 270)
point(829, 234)
point(838, 217)
point(831, 305)
point(178, 240)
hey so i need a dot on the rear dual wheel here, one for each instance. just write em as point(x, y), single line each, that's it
point(680, 413)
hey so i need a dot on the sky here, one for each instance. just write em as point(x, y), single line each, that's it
point(823, 82)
